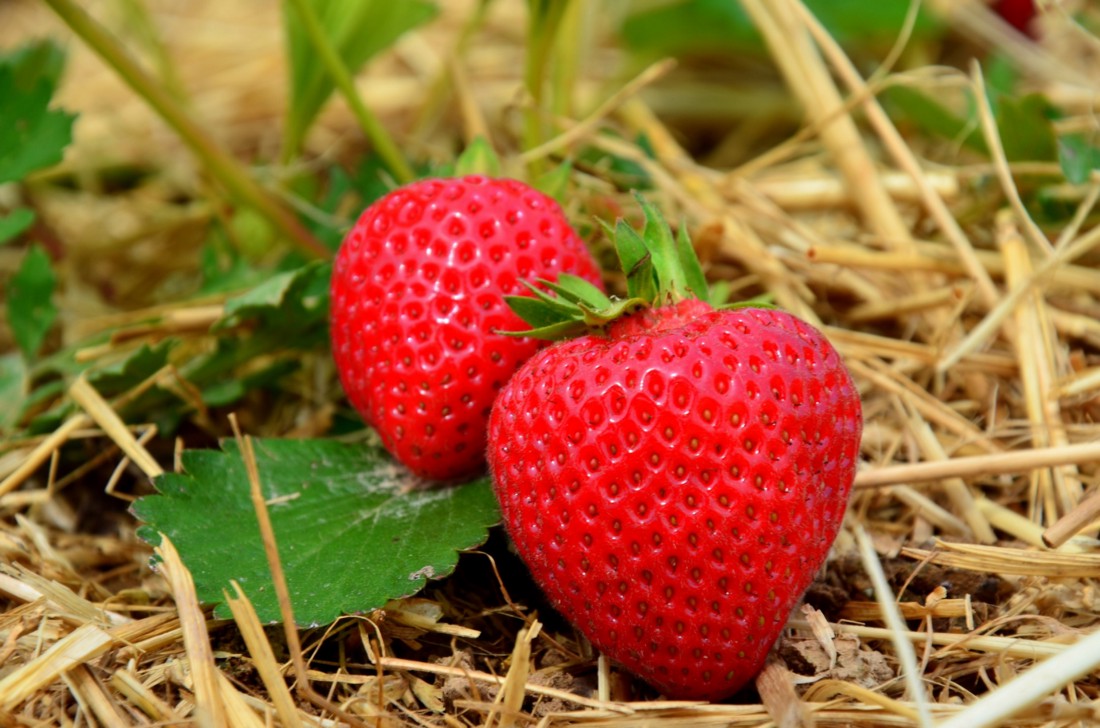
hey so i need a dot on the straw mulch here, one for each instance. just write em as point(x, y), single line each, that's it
point(962, 587)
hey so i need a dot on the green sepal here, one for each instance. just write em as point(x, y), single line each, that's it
point(616, 310)
point(478, 158)
point(694, 279)
point(636, 261)
point(553, 332)
point(766, 301)
point(536, 313)
point(660, 268)
point(564, 308)
point(671, 281)
point(579, 291)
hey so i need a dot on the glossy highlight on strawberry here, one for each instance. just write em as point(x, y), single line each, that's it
point(417, 296)
point(675, 479)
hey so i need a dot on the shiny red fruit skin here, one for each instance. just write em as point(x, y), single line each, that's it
point(675, 485)
point(417, 293)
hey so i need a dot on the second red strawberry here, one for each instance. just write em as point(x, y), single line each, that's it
point(417, 296)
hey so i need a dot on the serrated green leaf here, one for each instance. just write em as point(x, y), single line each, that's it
point(31, 311)
point(36, 62)
point(15, 223)
point(34, 136)
point(293, 300)
point(358, 29)
point(354, 529)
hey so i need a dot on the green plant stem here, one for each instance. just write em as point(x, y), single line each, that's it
point(137, 15)
point(442, 88)
point(568, 43)
point(221, 165)
point(375, 131)
point(543, 24)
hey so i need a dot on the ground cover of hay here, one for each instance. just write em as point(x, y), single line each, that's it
point(968, 558)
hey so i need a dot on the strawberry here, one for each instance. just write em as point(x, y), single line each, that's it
point(417, 296)
point(674, 479)
point(1020, 14)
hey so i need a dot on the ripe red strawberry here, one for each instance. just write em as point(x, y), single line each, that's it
point(417, 296)
point(1020, 14)
point(675, 481)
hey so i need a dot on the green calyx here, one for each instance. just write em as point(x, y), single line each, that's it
point(660, 270)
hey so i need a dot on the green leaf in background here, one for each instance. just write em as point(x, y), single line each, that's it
point(282, 317)
point(478, 158)
point(354, 529)
point(34, 136)
point(555, 182)
point(723, 27)
point(358, 29)
point(286, 303)
point(34, 63)
point(932, 117)
point(13, 390)
point(31, 311)
point(135, 368)
point(15, 223)
point(1024, 124)
point(51, 376)
point(1079, 158)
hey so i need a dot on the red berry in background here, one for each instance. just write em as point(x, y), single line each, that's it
point(417, 294)
point(675, 481)
point(1020, 14)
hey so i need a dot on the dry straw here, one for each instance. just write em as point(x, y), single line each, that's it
point(968, 323)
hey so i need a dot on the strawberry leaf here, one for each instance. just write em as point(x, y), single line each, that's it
point(15, 223)
point(35, 136)
point(31, 311)
point(354, 529)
